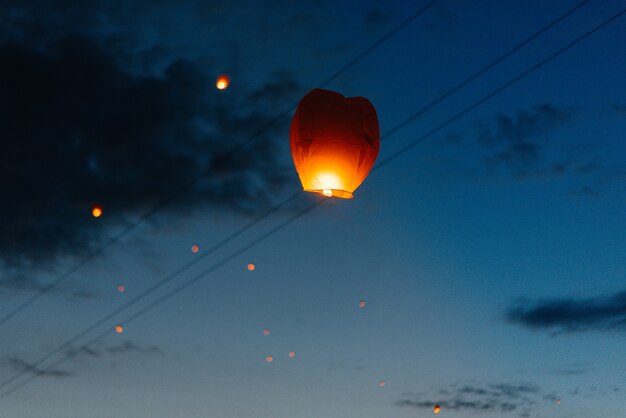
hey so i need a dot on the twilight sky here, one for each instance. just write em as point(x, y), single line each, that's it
point(491, 256)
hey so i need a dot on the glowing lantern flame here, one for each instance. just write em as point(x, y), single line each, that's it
point(361, 304)
point(269, 359)
point(119, 329)
point(120, 288)
point(334, 142)
point(96, 211)
point(195, 248)
point(222, 82)
point(251, 267)
point(437, 409)
point(266, 332)
point(292, 354)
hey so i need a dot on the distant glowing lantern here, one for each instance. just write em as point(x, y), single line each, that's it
point(266, 332)
point(222, 82)
point(96, 211)
point(269, 359)
point(195, 248)
point(292, 354)
point(382, 383)
point(119, 329)
point(361, 304)
point(334, 142)
point(251, 267)
point(120, 288)
point(558, 402)
point(437, 409)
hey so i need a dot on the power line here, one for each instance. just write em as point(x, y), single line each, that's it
point(263, 237)
point(185, 187)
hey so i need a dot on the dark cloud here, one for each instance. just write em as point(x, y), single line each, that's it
point(496, 398)
point(569, 315)
point(517, 146)
point(81, 127)
point(21, 366)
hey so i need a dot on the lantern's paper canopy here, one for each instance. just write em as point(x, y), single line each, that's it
point(334, 142)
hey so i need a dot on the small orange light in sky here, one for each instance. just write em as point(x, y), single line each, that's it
point(269, 359)
point(362, 304)
point(96, 211)
point(222, 82)
point(437, 409)
point(119, 329)
point(266, 332)
point(382, 383)
point(120, 288)
point(195, 248)
point(558, 402)
point(251, 267)
point(292, 354)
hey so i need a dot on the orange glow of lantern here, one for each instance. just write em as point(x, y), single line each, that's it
point(251, 267)
point(382, 383)
point(269, 359)
point(119, 329)
point(96, 211)
point(292, 354)
point(558, 402)
point(266, 332)
point(437, 409)
point(334, 142)
point(120, 288)
point(361, 304)
point(195, 248)
point(222, 82)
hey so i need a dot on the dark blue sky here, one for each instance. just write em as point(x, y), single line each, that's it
point(490, 256)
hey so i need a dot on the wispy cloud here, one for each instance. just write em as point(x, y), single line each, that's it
point(22, 366)
point(569, 315)
point(503, 398)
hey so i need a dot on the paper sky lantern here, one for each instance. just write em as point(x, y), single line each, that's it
point(292, 354)
point(361, 304)
point(119, 329)
point(334, 142)
point(251, 267)
point(195, 248)
point(266, 332)
point(120, 288)
point(96, 211)
point(269, 359)
point(222, 82)
point(382, 383)
point(437, 409)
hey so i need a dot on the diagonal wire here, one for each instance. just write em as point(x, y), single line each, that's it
point(185, 187)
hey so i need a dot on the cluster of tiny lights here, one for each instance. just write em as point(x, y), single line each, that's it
point(251, 267)
point(119, 329)
point(195, 248)
point(120, 288)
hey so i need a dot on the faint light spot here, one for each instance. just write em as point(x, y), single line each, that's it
point(269, 359)
point(195, 248)
point(120, 288)
point(251, 267)
point(437, 409)
point(222, 82)
point(292, 354)
point(558, 402)
point(96, 211)
point(382, 383)
point(361, 304)
point(119, 329)
point(266, 332)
